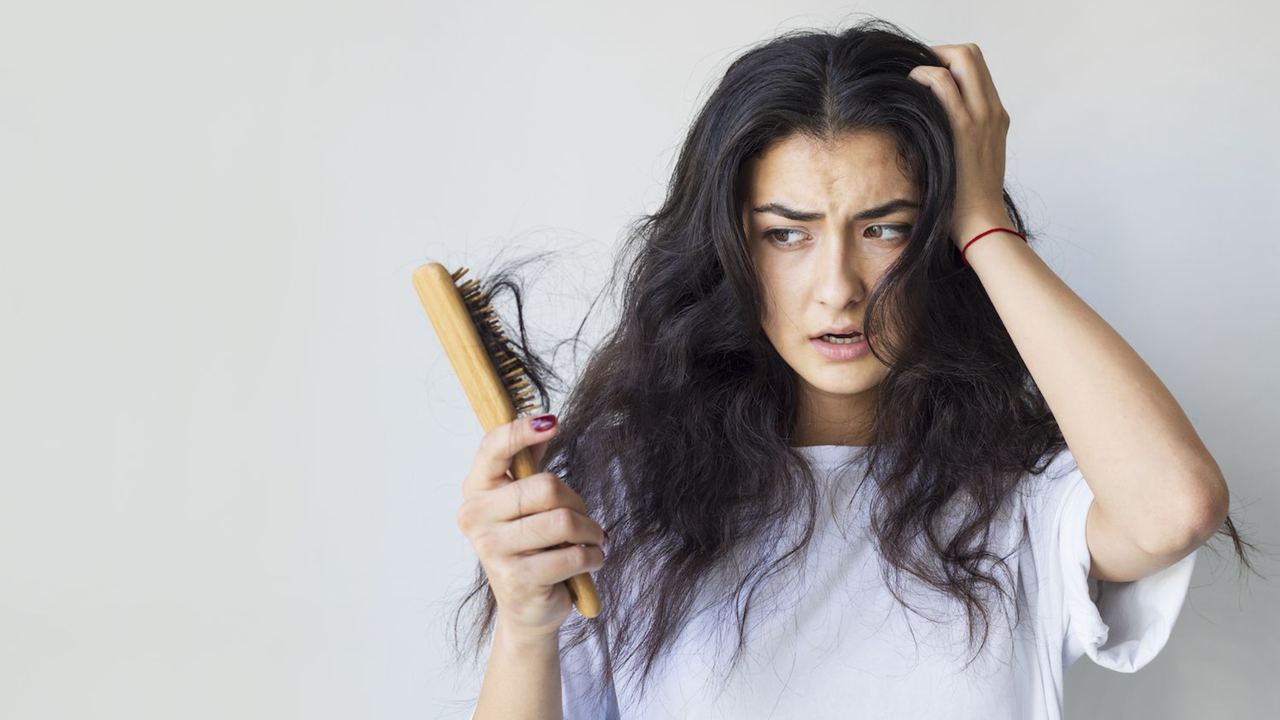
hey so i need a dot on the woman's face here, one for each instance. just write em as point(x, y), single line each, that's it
point(817, 266)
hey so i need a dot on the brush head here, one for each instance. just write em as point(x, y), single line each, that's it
point(511, 370)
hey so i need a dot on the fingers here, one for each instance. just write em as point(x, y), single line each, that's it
point(498, 447)
point(964, 84)
point(537, 493)
point(943, 85)
point(548, 530)
point(555, 566)
point(531, 534)
point(538, 450)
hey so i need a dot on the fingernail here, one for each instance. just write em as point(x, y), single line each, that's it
point(543, 423)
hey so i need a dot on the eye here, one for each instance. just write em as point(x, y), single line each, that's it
point(770, 235)
point(903, 229)
point(775, 235)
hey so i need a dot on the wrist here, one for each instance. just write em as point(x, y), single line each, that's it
point(985, 231)
point(970, 227)
point(514, 635)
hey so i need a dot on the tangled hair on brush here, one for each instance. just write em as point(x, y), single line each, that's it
point(676, 433)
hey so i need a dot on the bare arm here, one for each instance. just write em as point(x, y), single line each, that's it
point(1158, 493)
point(522, 680)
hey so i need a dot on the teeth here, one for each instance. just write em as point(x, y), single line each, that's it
point(842, 340)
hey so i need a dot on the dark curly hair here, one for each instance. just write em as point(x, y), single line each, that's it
point(676, 433)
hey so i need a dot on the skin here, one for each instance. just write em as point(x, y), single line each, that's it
point(817, 274)
point(1158, 493)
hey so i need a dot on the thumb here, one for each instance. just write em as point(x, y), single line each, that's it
point(537, 451)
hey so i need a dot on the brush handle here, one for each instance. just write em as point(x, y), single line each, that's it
point(485, 391)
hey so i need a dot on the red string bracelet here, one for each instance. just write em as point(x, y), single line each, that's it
point(966, 245)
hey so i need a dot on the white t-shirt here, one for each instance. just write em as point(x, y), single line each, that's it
point(840, 646)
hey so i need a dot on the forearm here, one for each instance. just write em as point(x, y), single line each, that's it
point(1136, 448)
point(522, 679)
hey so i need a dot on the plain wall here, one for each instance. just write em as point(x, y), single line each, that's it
point(232, 447)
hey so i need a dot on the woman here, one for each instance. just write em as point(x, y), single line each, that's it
point(818, 304)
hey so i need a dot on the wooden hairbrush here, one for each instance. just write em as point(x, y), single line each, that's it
point(491, 374)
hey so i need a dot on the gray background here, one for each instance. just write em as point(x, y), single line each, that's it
point(232, 446)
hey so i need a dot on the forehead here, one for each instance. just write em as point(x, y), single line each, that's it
point(863, 165)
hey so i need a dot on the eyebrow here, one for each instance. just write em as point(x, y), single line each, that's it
point(805, 216)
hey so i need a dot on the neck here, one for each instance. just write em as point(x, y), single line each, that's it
point(831, 419)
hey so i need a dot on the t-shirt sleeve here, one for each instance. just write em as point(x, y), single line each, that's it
point(586, 695)
point(1119, 625)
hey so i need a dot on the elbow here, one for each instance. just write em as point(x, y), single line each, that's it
point(1198, 520)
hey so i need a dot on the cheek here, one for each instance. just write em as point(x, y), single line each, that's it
point(772, 294)
point(768, 311)
point(779, 308)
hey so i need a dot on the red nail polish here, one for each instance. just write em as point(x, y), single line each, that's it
point(543, 423)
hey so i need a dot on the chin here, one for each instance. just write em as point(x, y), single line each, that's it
point(852, 383)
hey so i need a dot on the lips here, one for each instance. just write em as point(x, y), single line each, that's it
point(845, 330)
point(842, 351)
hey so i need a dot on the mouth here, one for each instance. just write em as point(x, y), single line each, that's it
point(835, 333)
point(840, 348)
point(840, 338)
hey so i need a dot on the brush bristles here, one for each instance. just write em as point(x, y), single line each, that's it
point(510, 369)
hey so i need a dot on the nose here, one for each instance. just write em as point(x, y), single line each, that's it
point(840, 278)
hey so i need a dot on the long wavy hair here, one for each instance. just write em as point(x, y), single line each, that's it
point(677, 432)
